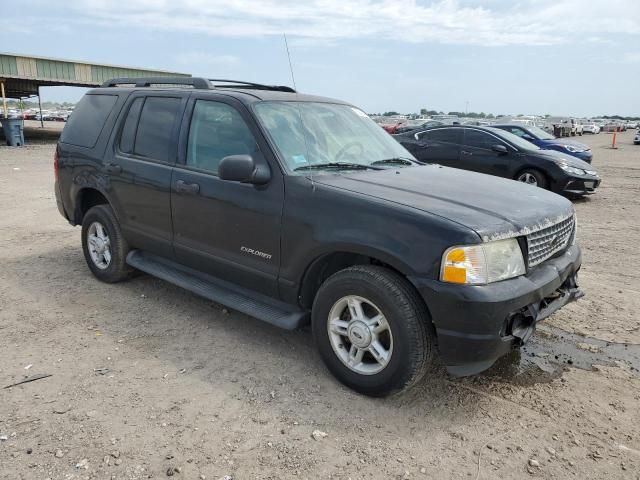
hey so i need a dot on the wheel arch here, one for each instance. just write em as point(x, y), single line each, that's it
point(325, 264)
point(86, 198)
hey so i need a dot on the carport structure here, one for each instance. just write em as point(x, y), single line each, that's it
point(21, 76)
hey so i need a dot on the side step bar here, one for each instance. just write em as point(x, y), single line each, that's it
point(237, 298)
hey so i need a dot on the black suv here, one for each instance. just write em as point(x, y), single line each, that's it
point(296, 209)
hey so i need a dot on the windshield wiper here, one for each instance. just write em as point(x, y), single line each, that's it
point(336, 166)
point(395, 161)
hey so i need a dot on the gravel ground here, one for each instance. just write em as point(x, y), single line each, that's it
point(148, 380)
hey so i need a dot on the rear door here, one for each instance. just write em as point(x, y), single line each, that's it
point(438, 145)
point(477, 153)
point(228, 229)
point(140, 168)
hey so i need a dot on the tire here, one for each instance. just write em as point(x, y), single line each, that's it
point(99, 223)
point(532, 177)
point(409, 338)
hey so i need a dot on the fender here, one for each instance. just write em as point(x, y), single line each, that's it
point(87, 180)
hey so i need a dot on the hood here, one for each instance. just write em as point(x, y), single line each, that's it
point(493, 207)
point(564, 141)
point(557, 156)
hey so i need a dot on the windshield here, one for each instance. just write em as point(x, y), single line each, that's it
point(309, 135)
point(541, 134)
point(515, 140)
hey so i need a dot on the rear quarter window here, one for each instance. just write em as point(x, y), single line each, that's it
point(87, 120)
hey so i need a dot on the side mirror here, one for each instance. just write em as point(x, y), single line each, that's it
point(501, 149)
point(243, 168)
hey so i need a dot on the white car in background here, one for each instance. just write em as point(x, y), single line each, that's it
point(591, 128)
point(636, 139)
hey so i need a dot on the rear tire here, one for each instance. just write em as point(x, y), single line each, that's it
point(373, 330)
point(532, 177)
point(105, 249)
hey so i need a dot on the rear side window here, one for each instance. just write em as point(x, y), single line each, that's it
point(87, 120)
point(449, 135)
point(478, 139)
point(128, 137)
point(155, 128)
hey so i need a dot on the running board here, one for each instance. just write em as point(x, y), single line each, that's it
point(237, 298)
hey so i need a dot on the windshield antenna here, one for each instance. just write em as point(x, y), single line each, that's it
point(293, 79)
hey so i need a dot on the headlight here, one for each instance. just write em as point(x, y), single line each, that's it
point(484, 263)
point(572, 170)
point(571, 148)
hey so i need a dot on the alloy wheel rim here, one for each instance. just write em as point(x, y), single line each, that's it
point(529, 179)
point(360, 335)
point(99, 245)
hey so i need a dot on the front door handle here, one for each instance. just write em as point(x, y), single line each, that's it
point(113, 168)
point(464, 152)
point(183, 187)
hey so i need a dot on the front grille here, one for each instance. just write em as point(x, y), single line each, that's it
point(550, 240)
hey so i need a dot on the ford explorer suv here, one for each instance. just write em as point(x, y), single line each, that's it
point(297, 209)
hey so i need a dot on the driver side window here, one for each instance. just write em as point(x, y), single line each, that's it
point(217, 130)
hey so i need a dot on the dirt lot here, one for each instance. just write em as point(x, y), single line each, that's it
point(147, 377)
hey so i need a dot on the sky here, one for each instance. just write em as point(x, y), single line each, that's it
point(559, 57)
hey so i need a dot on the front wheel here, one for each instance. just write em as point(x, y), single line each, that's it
point(105, 249)
point(533, 178)
point(372, 330)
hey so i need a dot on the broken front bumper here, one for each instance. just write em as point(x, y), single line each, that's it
point(477, 324)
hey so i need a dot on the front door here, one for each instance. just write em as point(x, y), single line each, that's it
point(228, 229)
point(438, 145)
point(477, 153)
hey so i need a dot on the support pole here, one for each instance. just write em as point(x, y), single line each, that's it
point(4, 100)
point(40, 108)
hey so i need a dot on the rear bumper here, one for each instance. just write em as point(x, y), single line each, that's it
point(56, 189)
point(476, 325)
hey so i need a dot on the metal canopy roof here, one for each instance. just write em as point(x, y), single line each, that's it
point(23, 74)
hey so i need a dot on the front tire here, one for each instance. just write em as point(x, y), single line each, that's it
point(105, 249)
point(532, 177)
point(372, 330)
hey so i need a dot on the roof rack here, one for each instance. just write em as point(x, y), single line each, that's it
point(253, 86)
point(195, 82)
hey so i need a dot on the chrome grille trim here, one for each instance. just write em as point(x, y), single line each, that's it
point(548, 241)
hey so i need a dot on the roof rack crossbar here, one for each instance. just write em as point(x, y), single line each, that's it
point(251, 85)
point(195, 82)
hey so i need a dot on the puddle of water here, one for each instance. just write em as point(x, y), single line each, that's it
point(551, 350)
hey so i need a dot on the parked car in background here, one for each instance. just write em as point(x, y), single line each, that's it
point(575, 127)
point(497, 152)
point(612, 127)
point(546, 141)
point(636, 139)
point(591, 128)
point(417, 125)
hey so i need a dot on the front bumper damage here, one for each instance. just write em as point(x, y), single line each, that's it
point(477, 324)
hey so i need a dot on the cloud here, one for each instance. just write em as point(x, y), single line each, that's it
point(207, 60)
point(461, 22)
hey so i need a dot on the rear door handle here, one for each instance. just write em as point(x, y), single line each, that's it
point(183, 187)
point(464, 152)
point(113, 168)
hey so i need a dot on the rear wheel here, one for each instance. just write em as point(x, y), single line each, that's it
point(372, 330)
point(105, 249)
point(533, 178)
